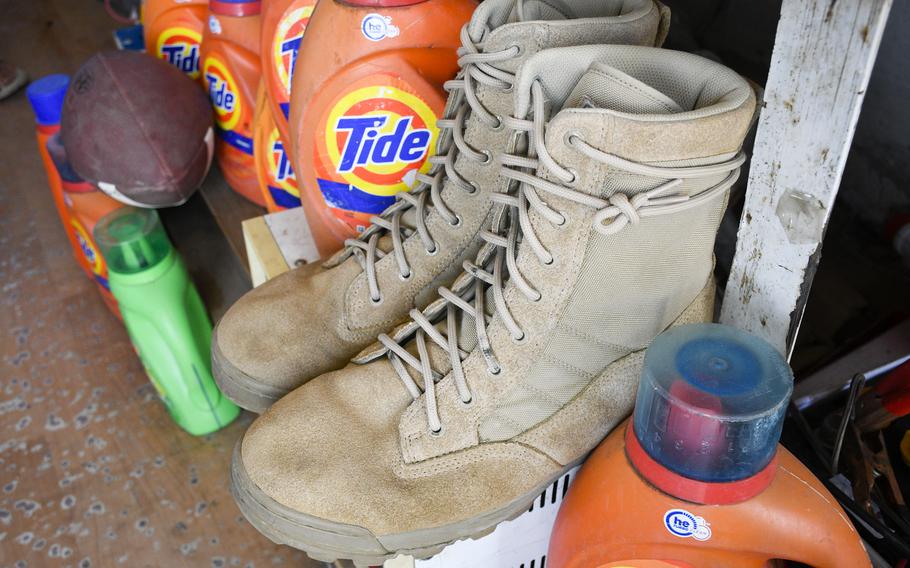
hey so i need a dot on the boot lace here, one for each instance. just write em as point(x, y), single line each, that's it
point(477, 68)
point(497, 259)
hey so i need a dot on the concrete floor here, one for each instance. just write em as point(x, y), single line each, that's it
point(92, 470)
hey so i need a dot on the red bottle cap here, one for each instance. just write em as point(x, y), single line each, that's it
point(237, 8)
point(380, 3)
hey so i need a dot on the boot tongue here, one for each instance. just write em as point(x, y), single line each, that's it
point(606, 87)
point(531, 10)
point(494, 13)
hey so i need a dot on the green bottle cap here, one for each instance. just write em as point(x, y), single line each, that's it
point(131, 240)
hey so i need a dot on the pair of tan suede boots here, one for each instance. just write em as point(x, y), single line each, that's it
point(488, 330)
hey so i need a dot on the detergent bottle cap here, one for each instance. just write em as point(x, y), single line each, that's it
point(46, 96)
point(711, 402)
point(131, 240)
point(380, 3)
point(238, 8)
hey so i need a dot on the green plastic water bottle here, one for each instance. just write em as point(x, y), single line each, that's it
point(165, 318)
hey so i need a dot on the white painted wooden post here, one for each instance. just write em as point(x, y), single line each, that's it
point(823, 56)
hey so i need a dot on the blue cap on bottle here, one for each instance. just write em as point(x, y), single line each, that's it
point(46, 95)
point(711, 402)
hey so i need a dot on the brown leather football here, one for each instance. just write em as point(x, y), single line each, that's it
point(138, 128)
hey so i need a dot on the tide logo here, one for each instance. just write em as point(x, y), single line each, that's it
point(91, 254)
point(283, 182)
point(379, 137)
point(180, 48)
point(223, 91)
point(280, 162)
point(286, 44)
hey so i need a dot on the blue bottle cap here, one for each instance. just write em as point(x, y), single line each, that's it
point(46, 95)
point(711, 402)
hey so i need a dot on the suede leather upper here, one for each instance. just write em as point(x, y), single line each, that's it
point(354, 447)
point(303, 324)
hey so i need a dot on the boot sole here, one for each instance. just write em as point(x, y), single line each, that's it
point(245, 391)
point(328, 541)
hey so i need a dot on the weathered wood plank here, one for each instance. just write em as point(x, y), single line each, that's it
point(214, 267)
point(822, 60)
point(230, 211)
point(277, 242)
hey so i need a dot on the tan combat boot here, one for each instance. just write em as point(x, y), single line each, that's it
point(314, 319)
point(515, 373)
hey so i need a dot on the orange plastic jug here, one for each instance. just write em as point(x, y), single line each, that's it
point(273, 166)
point(86, 205)
point(231, 73)
point(46, 97)
point(612, 513)
point(696, 478)
point(173, 31)
point(365, 97)
point(283, 25)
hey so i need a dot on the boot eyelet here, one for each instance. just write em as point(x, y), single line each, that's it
point(575, 178)
point(570, 138)
point(376, 301)
point(565, 219)
point(458, 221)
point(468, 404)
point(435, 433)
point(492, 374)
point(500, 124)
point(405, 278)
point(520, 49)
point(474, 188)
point(551, 262)
point(434, 251)
point(488, 158)
point(522, 340)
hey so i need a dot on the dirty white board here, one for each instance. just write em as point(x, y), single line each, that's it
point(519, 543)
point(278, 242)
point(823, 57)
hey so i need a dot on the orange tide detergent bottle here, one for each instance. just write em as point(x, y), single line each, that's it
point(46, 97)
point(283, 26)
point(277, 181)
point(87, 205)
point(230, 71)
point(173, 31)
point(366, 93)
point(697, 478)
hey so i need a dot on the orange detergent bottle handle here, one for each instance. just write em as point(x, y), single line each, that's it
point(273, 166)
point(56, 185)
point(284, 23)
point(46, 97)
point(231, 72)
